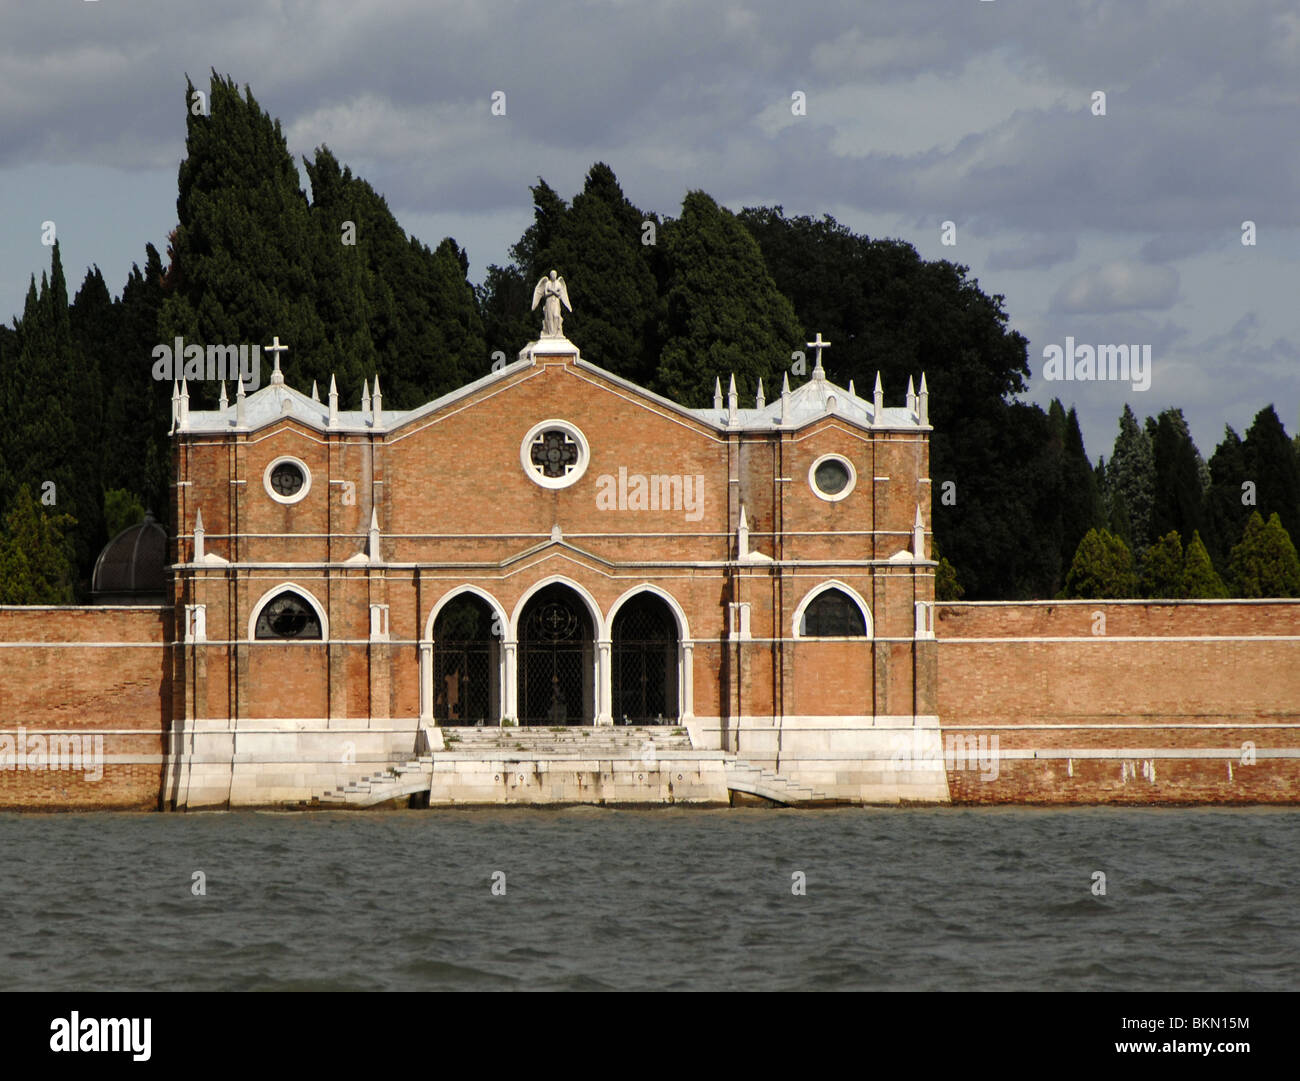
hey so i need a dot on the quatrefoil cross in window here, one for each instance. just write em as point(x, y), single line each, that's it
point(554, 453)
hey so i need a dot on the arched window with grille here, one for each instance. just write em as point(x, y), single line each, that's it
point(832, 613)
point(288, 617)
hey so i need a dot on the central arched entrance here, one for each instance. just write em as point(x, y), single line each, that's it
point(557, 684)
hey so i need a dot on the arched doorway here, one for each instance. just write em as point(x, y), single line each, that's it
point(556, 663)
point(644, 657)
point(466, 663)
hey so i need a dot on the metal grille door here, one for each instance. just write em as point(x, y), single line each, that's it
point(466, 662)
point(555, 661)
point(644, 645)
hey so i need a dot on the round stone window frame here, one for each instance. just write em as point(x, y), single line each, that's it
point(573, 432)
point(843, 493)
point(301, 493)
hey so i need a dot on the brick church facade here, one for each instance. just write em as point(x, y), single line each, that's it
point(550, 545)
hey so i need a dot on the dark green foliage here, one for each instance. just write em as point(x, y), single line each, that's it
point(1264, 564)
point(1271, 462)
point(946, 585)
point(596, 245)
point(50, 440)
point(122, 509)
point(1200, 580)
point(243, 254)
point(1102, 568)
point(1178, 498)
point(1130, 474)
point(886, 309)
point(1162, 575)
point(723, 312)
point(36, 564)
point(1226, 509)
point(391, 306)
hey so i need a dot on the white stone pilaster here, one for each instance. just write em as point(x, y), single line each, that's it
point(426, 682)
point(604, 683)
point(686, 666)
point(511, 698)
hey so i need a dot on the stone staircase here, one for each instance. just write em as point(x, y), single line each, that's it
point(744, 777)
point(607, 742)
point(407, 779)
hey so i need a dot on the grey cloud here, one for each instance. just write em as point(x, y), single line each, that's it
point(1035, 253)
point(1118, 286)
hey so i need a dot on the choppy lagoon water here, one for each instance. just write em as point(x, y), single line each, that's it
point(660, 899)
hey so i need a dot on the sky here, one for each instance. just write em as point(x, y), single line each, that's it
point(1106, 221)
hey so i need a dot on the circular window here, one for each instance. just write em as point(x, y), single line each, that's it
point(554, 454)
point(832, 477)
point(287, 480)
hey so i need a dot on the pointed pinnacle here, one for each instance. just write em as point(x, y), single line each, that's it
point(315, 394)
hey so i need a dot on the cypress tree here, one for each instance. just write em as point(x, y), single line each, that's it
point(44, 448)
point(1227, 503)
point(1271, 463)
point(1131, 474)
point(1162, 575)
point(1082, 508)
point(1200, 580)
point(242, 253)
point(1178, 502)
point(390, 304)
point(723, 312)
point(1265, 564)
point(36, 564)
point(1102, 568)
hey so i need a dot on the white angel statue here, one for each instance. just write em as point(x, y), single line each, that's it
point(552, 290)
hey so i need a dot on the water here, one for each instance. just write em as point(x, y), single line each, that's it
point(666, 899)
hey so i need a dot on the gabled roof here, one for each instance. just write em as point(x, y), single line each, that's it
point(809, 402)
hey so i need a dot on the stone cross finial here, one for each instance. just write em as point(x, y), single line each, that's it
point(275, 348)
point(818, 371)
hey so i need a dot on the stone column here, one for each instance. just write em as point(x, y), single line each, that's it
point(604, 683)
point(426, 683)
point(511, 697)
point(687, 662)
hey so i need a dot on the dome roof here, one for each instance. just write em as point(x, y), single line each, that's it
point(134, 562)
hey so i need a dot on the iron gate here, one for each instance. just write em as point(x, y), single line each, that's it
point(644, 678)
point(465, 664)
point(555, 661)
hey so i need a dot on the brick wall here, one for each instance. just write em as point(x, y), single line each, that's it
point(94, 673)
point(1157, 698)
